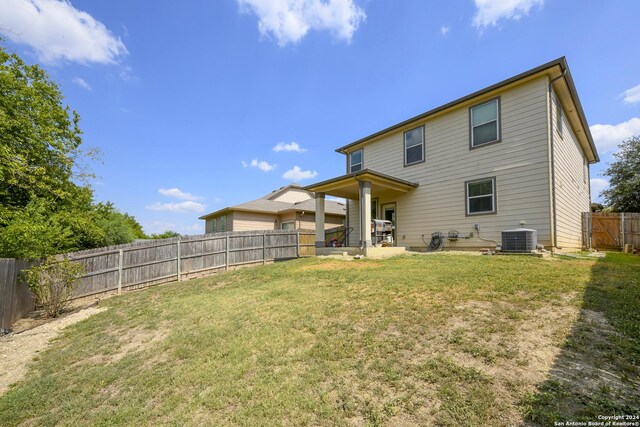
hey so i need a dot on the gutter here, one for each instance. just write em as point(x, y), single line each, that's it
point(554, 214)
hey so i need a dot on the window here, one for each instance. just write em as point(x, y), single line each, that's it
point(223, 223)
point(560, 118)
point(481, 196)
point(289, 225)
point(214, 222)
point(355, 161)
point(374, 208)
point(414, 146)
point(485, 123)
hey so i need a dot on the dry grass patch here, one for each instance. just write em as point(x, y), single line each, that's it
point(415, 340)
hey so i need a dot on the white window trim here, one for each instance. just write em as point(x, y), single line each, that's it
point(493, 196)
point(404, 138)
point(352, 164)
point(497, 120)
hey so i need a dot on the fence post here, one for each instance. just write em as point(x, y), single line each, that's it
point(226, 253)
point(623, 230)
point(297, 244)
point(264, 248)
point(178, 271)
point(120, 256)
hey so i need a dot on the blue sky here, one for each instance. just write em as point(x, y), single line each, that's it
point(204, 104)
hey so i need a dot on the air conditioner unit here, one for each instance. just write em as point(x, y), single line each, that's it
point(519, 240)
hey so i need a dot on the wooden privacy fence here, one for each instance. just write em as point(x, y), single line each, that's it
point(15, 299)
point(601, 230)
point(151, 262)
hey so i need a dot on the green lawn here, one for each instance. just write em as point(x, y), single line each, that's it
point(415, 340)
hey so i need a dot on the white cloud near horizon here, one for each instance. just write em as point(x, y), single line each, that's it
point(59, 32)
point(597, 185)
point(632, 96)
point(260, 164)
point(81, 82)
point(288, 21)
point(186, 206)
point(608, 137)
point(297, 174)
point(489, 12)
point(292, 146)
point(178, 194)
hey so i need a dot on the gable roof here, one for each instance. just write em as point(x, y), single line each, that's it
point(266, 204)
point(566, 91)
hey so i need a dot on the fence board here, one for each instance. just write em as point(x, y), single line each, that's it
point(16, 300)
point(605, 230)
point(151, 262)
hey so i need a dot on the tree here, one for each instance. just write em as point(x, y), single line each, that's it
point(166, 235)
point(45, 205)
point(40, 143)
point(623, 194)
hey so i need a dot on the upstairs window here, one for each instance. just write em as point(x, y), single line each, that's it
point(414, 146)
point(481, 196)
point(223, 223)
point(355, 161)
point(485, 123)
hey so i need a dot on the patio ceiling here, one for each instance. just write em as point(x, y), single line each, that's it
point(347, 186)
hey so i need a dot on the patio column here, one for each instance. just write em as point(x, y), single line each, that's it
point(365, 214)
point(319, 220)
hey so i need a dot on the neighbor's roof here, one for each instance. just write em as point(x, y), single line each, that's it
point(553, 69)
point(265, 205)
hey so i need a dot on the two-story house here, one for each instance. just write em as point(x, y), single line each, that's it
point(515, 154)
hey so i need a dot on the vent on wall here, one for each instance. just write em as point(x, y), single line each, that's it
point(519, 240)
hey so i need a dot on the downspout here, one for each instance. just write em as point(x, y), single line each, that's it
point(554, 243)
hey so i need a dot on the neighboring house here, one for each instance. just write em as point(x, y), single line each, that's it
point(513, 154)
point(288, 208)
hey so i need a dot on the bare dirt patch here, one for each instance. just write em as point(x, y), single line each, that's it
point(18, 349)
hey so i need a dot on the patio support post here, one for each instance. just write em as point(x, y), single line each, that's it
point(365, 214)
point(319, 220)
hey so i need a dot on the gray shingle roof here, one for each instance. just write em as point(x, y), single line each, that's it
point(264, 204)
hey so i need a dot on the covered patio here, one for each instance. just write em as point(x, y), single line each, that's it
point(360, 185)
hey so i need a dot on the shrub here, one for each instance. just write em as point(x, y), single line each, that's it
point(53, 283)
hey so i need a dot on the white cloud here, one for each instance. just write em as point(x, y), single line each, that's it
point(178, 194)
point(632, 96)
point(260, 164)
point(597, 185)
point(288, 21)
point(292, 146)
point(187, 206)
point(58, 31)
point(444, 30)
point(81, 82)
point(608, 137)
point(489, 12)
point(297, 174)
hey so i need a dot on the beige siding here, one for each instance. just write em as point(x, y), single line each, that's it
point(520, 164)
point(293, 196)
point(571, 183)
point(354, 222)
point(208, 226)
point(308, 221)
point(247, 221)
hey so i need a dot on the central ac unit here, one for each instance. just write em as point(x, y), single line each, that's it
point(519, 240)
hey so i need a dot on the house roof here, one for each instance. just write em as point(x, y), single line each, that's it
point(565, 88)
point(265, 204)
point(348, 185)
